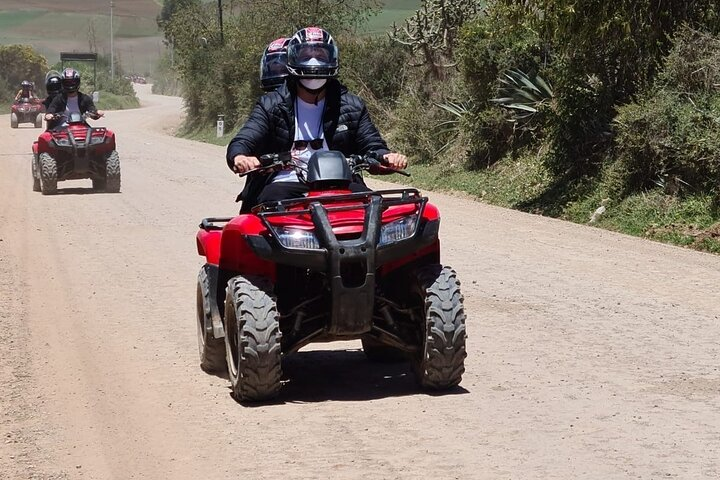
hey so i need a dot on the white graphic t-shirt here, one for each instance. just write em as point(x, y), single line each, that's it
point(308, 126)
point(72, 105)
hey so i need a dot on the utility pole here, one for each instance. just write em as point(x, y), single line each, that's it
point(222, 39)
point(112, 50)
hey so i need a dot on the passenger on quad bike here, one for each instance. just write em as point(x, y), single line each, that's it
point(311, 112)
point(27, 90)
point(53, 87)
point(273, 64)
point(71, 100)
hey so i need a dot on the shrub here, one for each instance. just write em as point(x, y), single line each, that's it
point(671, 140)
point(373, 65)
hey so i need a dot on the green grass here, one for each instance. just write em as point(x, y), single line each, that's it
point(692, 221)
point(208, 135)
point(110, 101)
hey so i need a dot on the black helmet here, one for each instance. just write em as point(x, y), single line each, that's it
point(312, 54)
point(273, 64)
point(53, 82)
point(26, 85)
point(70, 80)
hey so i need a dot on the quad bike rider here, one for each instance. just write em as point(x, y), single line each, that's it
point(325, 259)
point(74, 149)
point(27, 90)
point(53, 87)
point(273, 64)
point(26, 107)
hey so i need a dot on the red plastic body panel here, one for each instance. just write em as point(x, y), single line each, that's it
point(228, 249)
point(208, 245)
point(79, 130)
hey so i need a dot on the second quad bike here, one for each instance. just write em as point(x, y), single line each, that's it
point(75, 150)
point(27, 110)
point(333, 265)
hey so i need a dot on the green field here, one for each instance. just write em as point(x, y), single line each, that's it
point(393, 11)
point(137, 40)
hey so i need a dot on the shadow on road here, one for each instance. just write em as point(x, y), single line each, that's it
point(79, 191)
point(345, 375)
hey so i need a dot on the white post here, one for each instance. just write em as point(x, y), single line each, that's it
point(112, 51)
point(220, 126)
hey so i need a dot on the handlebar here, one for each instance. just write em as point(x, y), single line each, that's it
point(86, 115)
point(371, 160)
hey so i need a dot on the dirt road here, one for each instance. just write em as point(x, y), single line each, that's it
point(590, 354)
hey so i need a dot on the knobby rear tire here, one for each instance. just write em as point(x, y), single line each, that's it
point(211, 349)
point(252, 338)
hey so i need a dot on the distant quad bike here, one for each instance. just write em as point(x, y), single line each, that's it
point(27, 110)
point(333, 265)
point(76, 150)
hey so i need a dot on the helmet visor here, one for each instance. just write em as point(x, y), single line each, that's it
point(274, 65)
point(310, 55)
point(70, 84)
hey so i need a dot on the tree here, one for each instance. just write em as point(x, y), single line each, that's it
point(20, 62)
point(431, 33)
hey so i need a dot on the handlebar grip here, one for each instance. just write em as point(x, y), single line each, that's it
point(378, 157)
point(267, 160)
point(270, 158)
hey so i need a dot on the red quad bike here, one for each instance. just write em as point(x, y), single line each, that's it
point(333, 265)
point(27, 110)
point(76, 150)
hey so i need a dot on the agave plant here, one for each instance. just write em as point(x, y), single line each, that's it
point(451, 126)
point(521, 94)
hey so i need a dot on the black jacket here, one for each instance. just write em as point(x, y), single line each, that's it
point(59, 103)
point(270, 128)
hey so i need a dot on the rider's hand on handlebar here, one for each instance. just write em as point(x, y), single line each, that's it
point(49, 116)
point(244, 164)
point(396, 161)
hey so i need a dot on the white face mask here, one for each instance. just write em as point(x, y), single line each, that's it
point(313, 83)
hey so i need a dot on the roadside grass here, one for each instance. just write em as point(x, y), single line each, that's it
point(692, 221)
point(110, 101)
point(207, 135)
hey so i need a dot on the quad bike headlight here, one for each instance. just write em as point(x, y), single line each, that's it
point(294, 238)
point(62, 141)
point(398, 230)
point(96, 140)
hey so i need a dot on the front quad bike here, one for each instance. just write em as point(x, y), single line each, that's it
point(333, 265)
point(27, 110)
point(76, 150)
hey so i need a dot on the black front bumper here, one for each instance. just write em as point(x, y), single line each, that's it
point(352, 301)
